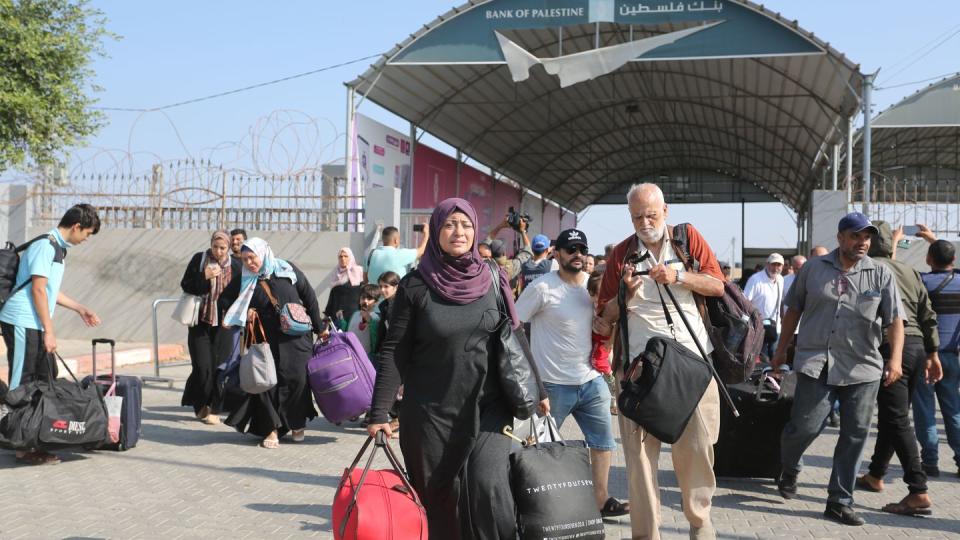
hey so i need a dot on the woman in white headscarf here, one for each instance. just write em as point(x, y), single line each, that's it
point(214, 276)
point(288, 406)
point(345, 288)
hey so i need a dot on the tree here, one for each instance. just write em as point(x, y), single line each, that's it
point(46, 48)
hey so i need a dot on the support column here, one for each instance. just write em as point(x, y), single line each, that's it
point(850, 159)
point(459, 162)
point(408, 197)
point(835, 166)
point(351, 135)
point(867, 96)
point(743, 235)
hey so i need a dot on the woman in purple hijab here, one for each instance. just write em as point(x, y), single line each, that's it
point(438, 346)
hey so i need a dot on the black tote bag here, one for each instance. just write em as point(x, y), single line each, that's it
point(518, 381)
point(53, 414)
point(552, 487)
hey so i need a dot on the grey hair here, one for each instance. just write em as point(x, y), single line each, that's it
point(637, 189)
point(798, 259)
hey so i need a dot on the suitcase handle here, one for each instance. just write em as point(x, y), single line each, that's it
point(113, 356)
point(379, 442)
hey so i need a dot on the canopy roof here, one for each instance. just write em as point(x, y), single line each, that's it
point(921, 131)
point(742, 106)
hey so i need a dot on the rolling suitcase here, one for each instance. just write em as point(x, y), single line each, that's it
point(129, 388)
point(341, 377)
point(749, 446)
point(377, 504)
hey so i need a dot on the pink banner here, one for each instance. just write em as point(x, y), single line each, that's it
point(435, 177)
point(505, 196)
point(568, 221)
point(477, 188)
point(551, 221)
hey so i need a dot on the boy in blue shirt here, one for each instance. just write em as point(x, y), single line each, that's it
point(26, 319)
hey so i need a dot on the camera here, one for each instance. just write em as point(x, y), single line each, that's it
point(514, 218)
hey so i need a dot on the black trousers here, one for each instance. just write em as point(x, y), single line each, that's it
point(26, 355)
point(894, 432)
point(209, 346)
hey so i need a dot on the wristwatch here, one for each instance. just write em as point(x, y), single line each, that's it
point(680, 274)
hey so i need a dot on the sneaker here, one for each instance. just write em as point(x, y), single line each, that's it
point(787, 485)
point(833, 420)
point(843, 514)
point(932, 471)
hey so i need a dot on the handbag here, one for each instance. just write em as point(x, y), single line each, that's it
point(294, 320)
point(187, 311)
point(258, 372)
point(663, 385)
point(518, 381)
point(552, 487)
point(55, 413)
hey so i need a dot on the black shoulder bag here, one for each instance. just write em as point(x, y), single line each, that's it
point(514, 361)
point(663, 385)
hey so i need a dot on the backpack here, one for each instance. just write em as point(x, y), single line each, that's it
point(735, 327)
point(10, 264)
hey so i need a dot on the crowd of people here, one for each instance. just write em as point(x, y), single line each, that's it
point(861, 330)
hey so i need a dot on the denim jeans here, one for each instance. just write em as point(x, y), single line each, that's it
point(589, 403)
point(924, 414)
point(894, 433)
point(812, 403)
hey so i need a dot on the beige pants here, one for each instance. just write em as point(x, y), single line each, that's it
point(692, 462)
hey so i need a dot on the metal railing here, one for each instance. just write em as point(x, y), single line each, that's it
point(156, 345)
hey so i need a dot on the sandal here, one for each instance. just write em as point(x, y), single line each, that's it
point(38, 458)
point(270, 444)
point(614, 508)
point(211, 419)
point(904, 509)
point(298, 435)
point(865, 485)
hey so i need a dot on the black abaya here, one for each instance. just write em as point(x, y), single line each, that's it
point(208, 345)
point(288, 405)
point(451, 414)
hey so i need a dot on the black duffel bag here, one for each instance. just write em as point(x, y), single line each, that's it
point(667, 391)
point(54, 414)
point(663, 385)
point(552, 487)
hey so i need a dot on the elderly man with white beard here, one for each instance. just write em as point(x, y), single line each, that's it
point(693, 453)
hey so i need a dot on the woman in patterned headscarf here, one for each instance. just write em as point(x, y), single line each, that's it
point(287, 406)
point(214, 276)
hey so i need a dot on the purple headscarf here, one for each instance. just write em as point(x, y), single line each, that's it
point(462, 279)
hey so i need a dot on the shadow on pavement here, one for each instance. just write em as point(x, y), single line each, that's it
point(322, 511)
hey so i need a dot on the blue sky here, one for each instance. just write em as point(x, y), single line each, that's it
point(177, 50)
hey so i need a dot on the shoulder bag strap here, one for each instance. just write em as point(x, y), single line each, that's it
point(501, 304)
point(58, 253)
point(273, 300)
point(943, 284)
point(666, 313)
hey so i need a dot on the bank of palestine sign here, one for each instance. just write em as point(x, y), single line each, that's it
point(707, 29)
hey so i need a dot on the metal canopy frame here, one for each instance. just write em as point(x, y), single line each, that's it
point(767, 121)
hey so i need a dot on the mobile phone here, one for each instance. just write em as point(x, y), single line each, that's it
point(418, 227)
point(910, 230)
point(903, 243)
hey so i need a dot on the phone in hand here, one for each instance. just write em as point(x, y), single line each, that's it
point(910, 230)
point(418, 227)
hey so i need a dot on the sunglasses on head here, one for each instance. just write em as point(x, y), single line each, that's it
point(574, 249)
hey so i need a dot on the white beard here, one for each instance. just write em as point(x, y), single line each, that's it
point(653, 237)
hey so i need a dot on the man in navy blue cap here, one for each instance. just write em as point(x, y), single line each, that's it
point(847, 301)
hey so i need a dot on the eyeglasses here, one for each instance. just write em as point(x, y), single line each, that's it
point(574, 249)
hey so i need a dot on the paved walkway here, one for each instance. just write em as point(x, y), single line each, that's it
point(188, 480)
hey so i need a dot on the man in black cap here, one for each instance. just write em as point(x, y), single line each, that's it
point(560, 312)
point(847, 301)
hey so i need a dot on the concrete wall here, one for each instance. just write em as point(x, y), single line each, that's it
point(119, 273)
point(827, 209)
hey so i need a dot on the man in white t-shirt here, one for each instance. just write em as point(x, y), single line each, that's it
point(765, 290)
point(560, 311)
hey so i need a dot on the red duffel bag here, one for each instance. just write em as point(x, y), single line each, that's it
point(377, 504)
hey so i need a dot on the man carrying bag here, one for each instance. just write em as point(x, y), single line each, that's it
point(646, 318)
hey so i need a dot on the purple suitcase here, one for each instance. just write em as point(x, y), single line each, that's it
point(341, 377)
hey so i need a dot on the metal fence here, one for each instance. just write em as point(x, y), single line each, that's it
point(934, 202)
point(200, 195)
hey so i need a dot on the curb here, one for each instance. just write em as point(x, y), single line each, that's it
point(83, 364)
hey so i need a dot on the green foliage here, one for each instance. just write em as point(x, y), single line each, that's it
point(46, 48)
